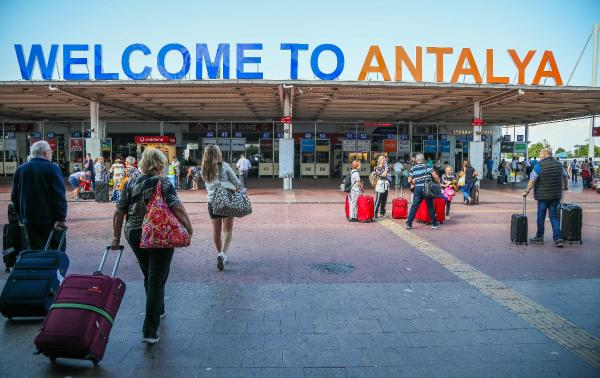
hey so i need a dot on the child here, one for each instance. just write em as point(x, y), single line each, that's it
point(449, 186)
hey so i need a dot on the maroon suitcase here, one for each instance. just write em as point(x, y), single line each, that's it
point(81, 318)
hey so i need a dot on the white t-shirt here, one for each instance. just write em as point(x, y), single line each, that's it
point(398, 167)
point(243, 164)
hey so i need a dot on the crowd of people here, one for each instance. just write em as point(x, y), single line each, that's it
point(413, 175)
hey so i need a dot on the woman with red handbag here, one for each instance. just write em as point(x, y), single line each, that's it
point(156, 223)
point(215, 172)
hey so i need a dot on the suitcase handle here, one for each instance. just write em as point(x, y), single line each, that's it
point(114, 271)
point(524, 205)
point(60, 243)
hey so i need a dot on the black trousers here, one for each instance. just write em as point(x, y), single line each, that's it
point(38, 236)
point(155, 265)
point(380, 202)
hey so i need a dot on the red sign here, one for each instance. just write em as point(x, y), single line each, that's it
point(477, 122)
point(285, 119)
point(596, 131)
point(155, 139)
point(76, 144)
point(389, 145)
point(52, 143)
point(377, 124)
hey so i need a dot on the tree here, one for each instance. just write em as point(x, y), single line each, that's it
point(582, 151)
point(534, 149)
point(560, 150)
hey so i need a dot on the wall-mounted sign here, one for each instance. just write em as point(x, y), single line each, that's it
point(362, 136)
point(322, 135)
point(389, 145)
point(50, 135)
point(506, 138)
point(404, 146)
point(363, 145)
point(238, 144)
point(106, 145)
point(76, 134)
point(266, 135)
point(443, 136)
point(224, 134)
point(76, 145)
point(307, 145)
point(520, 148)
point(192, 146)
point(308, 135)
point(350, 136)
point(404, 136)
point(53, 144)
point(349, 145)
point(430, 146)
point(506, 147)
point(520, 138)
point(155, 139)
point(477, 122)
point(285, 119)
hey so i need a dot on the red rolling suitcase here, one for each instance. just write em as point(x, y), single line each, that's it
point(82, 316)
point(399, 206)
point(439, 205)
point(366, 208)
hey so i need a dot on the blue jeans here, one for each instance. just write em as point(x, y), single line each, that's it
point(417, 199)
point(552, 207)
point(466, 190)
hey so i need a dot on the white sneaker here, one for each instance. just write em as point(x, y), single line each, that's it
point(225, 258)
point(151, 340)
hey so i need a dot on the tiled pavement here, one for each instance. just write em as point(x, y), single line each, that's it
point(400, 313)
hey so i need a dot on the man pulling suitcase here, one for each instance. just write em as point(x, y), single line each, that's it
point(548, 180)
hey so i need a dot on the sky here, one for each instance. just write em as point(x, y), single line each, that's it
point(560, 26)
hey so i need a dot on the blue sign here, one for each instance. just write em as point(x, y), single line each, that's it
point(307, 145)
point(350, 136)
point(465, 148)
point(469, 137)
point(404, 136)
point(36, 134)
point(445, 146)
point(520, 138)
point(279, 135)
point(76, 134)
point(238, 134)
point(10, 135)
point(362, 136)
point(391, 136)
point(224, 134)
point(322, 136)
point(430, 137)
point(308, 135)
point(483, 138)
point(50, 135)
point(506, 138)
point(443, 136)
point(430, 146)
point(87, 134)
point(210, 134)
point(266, 135)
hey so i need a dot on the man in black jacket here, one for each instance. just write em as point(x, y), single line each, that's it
point(549, 179)
point(38, 194)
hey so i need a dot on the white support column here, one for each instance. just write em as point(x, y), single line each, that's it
point(162, 128)
point(596, 34)
point(287, 130)
point(476, 149)
point(92, 145)
point(410, 135)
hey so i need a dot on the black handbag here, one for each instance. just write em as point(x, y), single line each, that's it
point(431, 190)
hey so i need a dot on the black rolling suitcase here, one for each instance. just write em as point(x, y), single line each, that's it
point(571, 222)
point(518, 226)
point(34, 281)
point(101, 192)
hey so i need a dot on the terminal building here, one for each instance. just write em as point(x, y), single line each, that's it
point(330, 122)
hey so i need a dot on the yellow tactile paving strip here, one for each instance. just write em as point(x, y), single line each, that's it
point(559, 329)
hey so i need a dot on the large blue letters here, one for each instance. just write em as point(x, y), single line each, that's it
point(98, 74)
point(68, 61)
point(212, 66)
point(294, 48)
point(125, 62)
point(36, 54)
point(185, 67)
point(241, 60)
point(314, 61)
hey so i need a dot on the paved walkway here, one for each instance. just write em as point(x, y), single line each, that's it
point(459, 301)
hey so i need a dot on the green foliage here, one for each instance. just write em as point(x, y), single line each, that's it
point(582, 151)
point(560, 150)
point(535, 148)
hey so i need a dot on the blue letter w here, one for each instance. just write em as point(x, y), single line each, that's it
point(36, 54)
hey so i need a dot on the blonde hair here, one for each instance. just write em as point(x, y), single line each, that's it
point(153, 162)
point(210, 162)
point(380, 159)
point(355, 164)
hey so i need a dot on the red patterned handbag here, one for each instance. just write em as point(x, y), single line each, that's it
point(161, 229)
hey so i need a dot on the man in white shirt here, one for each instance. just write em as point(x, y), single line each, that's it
point(243, 166)
point(398, 172)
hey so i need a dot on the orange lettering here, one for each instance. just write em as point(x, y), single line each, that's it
point(547, 58)
point(521, 65)
point(381, 67)
point(460, 69)
point(489, 71)
point(439, 60)
point(416, 70)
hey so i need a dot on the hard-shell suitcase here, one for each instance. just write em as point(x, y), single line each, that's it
point(399, 206)
point(31, 287)
point(439, 205)
point(571, 222)
point(366, 208)
point(80, 320)
point(89, 195)
point(475, 193)
point(518, 226)
point(101, 192)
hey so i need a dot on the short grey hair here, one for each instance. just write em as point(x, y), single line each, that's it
point(420, 158)
point(153, 162)
point(38, 148)
point(130, 160)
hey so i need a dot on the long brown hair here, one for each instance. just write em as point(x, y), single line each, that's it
point(210, 162)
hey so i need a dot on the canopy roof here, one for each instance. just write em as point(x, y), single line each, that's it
point(248, 100)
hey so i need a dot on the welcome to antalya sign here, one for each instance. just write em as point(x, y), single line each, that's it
point(217, 62)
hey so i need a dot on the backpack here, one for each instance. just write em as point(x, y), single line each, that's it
point(347, 183)
point(373, 179)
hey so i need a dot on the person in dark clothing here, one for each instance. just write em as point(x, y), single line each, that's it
point(548, 179)
point(88, 165)
point(470, 180)
point(417, 177)
point(38, 194)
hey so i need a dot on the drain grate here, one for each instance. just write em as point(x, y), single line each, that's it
point(333, 268)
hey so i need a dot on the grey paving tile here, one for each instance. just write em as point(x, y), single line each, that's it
point(262, 358)
point(319, 341)
point(373, 340)
point(238, 342)
point(364, 326)
point(342, 315)
point(297, 326)
point(228, 326)
point(325, 373)
point(387, 371)
point(330, 326)
point(282, 341)
point(238, 373)
point(264, 326)
point(397, 326)
point(282, 373)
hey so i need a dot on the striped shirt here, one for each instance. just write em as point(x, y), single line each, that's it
point(420, 173)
